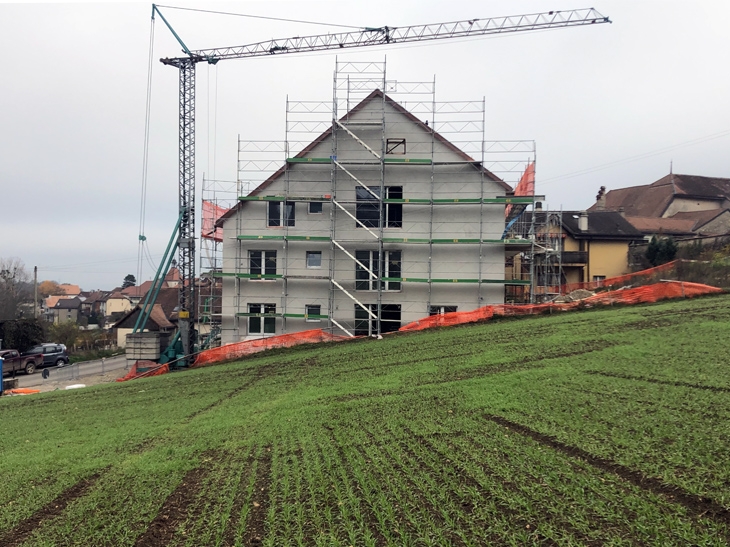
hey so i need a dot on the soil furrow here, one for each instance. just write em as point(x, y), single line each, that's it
point(229, 535)
point(697, 506)
point(174, 510)
point(25, 528)
point(256, 525)
point(655, 381)
point(368, 515)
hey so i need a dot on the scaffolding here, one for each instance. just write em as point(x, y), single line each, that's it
point(218, 197)
point(344, 246)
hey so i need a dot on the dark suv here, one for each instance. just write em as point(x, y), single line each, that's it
point(53, 354)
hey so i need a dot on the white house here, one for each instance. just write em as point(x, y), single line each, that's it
point(378, 222)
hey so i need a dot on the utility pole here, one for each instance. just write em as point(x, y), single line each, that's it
point(35, 292)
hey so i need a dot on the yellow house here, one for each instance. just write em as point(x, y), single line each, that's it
point(594, 244)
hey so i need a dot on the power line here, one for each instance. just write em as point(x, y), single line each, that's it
point(261, 17)
point(630, 159)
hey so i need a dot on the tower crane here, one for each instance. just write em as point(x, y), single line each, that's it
point(300, 44)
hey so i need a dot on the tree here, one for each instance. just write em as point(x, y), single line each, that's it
point(661, 250)
point(22, 334)
point(15, 288)
point(129, 281)
point(66, 333)
point(49, 288)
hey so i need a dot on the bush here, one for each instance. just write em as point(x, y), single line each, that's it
point(661, 251)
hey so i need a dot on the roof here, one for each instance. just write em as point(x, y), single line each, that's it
point(94, 296)
point(601, 225)
point(700, 218)
point(173, 275)
point(652, 200)
point(51, 301)
point(377, 93)
point(137, 291)
point(163, 314)
point(696, 186)
point(69, 289)
point(67, 304)
point(669, 226)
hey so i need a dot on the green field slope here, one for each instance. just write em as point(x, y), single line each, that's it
point(604, 427)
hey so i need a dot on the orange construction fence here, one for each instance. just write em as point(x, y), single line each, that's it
point(637, 295)
point(239, 349)
point(650, 274)
point(150, 368)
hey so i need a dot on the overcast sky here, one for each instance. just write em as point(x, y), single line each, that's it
point(607, 105)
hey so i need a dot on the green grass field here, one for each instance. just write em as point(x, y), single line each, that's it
point(602, 427)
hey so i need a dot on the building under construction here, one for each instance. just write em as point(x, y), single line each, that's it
point(380, 207)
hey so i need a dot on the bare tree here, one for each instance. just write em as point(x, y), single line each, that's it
point(15, 289)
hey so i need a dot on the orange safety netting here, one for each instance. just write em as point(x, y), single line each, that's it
point(151, 369)
point(239, 349)
point(637, 295)
point(622, 280)
point(211, 214)
point(21, 391)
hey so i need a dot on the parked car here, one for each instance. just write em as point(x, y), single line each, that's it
point(14, 362)
point(53, 354)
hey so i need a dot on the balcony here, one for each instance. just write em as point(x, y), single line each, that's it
point(574, 257)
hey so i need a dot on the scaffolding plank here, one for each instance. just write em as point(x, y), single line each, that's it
point(283, 198)
point(309, 160)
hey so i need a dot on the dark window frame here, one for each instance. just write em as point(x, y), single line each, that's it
point(365, 325)
point(395, 146)
point(256, 325)
point(262, 262)
point(309, 309)
point(367, 207)
point(389, 264)
point(279, 216)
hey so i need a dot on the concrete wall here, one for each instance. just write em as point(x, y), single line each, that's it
point(450, 221)
point(682, 205)
point(718, 225)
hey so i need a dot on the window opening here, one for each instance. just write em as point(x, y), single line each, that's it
point(387, 265)
point(390, 319)
point(314, 259)
point(440, 310)
point(367, 207)
point(311, 310)
point(255, 323)
point(281, 213)
point(262, 262)
point(315, 207)
point(395, 146)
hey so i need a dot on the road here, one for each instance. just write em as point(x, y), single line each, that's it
point(74, 372)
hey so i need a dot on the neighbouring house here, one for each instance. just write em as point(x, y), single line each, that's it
point(135, 293)
point(378, 222)
point(162, 319)
point(116, 305)
point(70, 290)
point(66, 309)
point(593, 245)
point(683, 206)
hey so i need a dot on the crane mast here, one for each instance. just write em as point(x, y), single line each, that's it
point(322, 42)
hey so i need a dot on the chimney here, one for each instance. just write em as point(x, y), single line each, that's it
point(622, 212)
point(601, 199)
point(583, 221)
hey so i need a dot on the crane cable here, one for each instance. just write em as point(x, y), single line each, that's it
point(261, 17)
point(145, 159)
